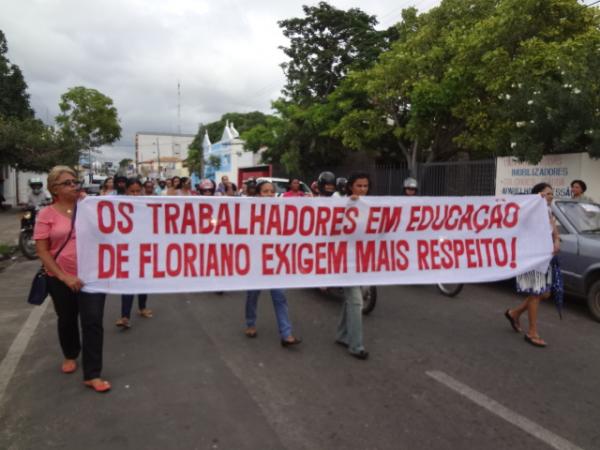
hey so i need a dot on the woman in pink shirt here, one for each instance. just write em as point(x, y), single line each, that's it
point(52, 229)
point(294, 189)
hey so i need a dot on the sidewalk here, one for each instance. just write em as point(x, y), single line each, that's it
point(10, 222)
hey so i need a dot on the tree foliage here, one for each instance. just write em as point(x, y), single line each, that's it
point(480, 78)
point(31, 145)
point(25, 142)
point(241, 121)
point(325, 44)
point(88, 118)
point(485, 78)
point(125, 163)
point(195, 159)
point(14, 99)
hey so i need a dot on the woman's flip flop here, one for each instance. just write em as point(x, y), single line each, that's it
point(513, 322)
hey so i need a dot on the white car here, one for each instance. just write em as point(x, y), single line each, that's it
point(281, 185)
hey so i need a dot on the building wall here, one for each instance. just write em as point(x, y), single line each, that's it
point(232, 156)
point(16, 185)
point(515, 177)
point(172, 145)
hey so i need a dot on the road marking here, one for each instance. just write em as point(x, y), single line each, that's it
point(18, 347)
point(496, 408)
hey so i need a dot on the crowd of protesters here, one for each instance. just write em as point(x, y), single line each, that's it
point(81, 313)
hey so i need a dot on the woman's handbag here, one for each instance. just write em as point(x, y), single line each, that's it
point(39, 288)
point(39, 285)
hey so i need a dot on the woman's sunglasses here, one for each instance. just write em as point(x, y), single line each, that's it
point(69, 183)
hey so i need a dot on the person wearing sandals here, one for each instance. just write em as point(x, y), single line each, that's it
point(134, 187)
point(537, 285)
point(266, 189)
point(56, 247)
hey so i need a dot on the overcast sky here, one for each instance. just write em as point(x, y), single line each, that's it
point(224, 53)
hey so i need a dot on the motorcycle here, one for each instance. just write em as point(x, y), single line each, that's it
point(369, 295)
point(26, 242)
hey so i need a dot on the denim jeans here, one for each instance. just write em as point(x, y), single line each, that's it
point(127, 304)
point(280, 306)
point(89, 308)
point(349, 330)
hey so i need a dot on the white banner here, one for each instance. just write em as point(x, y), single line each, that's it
point(190, 244)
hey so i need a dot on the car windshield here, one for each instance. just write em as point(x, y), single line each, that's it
point(585, 217)
point(280, 187)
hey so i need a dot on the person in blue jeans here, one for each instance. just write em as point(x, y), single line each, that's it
point(133, 187)
point(266, 189)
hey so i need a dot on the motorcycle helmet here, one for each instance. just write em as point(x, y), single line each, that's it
point(340, 185)
point(36, 185)
point(326, 182)
point(410, 183)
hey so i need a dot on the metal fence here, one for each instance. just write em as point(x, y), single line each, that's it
point(453, 178)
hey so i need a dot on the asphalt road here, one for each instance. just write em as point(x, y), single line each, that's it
point(443, 374)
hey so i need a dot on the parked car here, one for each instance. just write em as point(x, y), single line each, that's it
point(93, 187)
point(579, 256)
point(281, 185)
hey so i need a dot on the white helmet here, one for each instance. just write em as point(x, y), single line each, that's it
point(35, 181)
point(410, 183)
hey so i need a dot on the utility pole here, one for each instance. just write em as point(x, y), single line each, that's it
point(178, 108)
point(158, 155)
point(91, 175)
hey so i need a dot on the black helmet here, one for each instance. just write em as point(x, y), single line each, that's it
point(340, 185)
point(324, 179)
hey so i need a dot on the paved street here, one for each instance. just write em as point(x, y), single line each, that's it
point(443, 374)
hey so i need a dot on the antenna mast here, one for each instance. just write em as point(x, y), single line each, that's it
point(178, 107)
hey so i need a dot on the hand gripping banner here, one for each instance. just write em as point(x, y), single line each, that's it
point(192, 244)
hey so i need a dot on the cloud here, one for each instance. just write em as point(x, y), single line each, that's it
point(224, 54)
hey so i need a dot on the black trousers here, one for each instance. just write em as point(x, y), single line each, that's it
point(89, 308)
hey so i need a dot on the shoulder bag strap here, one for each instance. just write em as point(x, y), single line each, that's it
point(68, 237)
point(70, 233)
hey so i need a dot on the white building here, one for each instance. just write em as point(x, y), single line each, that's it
point(229, 153)
point(14, 185)
point(152, 149)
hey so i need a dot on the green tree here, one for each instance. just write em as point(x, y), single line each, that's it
point(241, 121)
point(25, 142)
point(88, 118)
point(14, 99)
point(325, 44)
point(29, 144)
point(195, 159)
point(485, 78)
point(214, 161)
point(124, 164)
point(538, 80)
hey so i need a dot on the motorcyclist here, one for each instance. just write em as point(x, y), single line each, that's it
point(326, 183)
point(410, 187)
point(38, 196)
point(340, 187)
